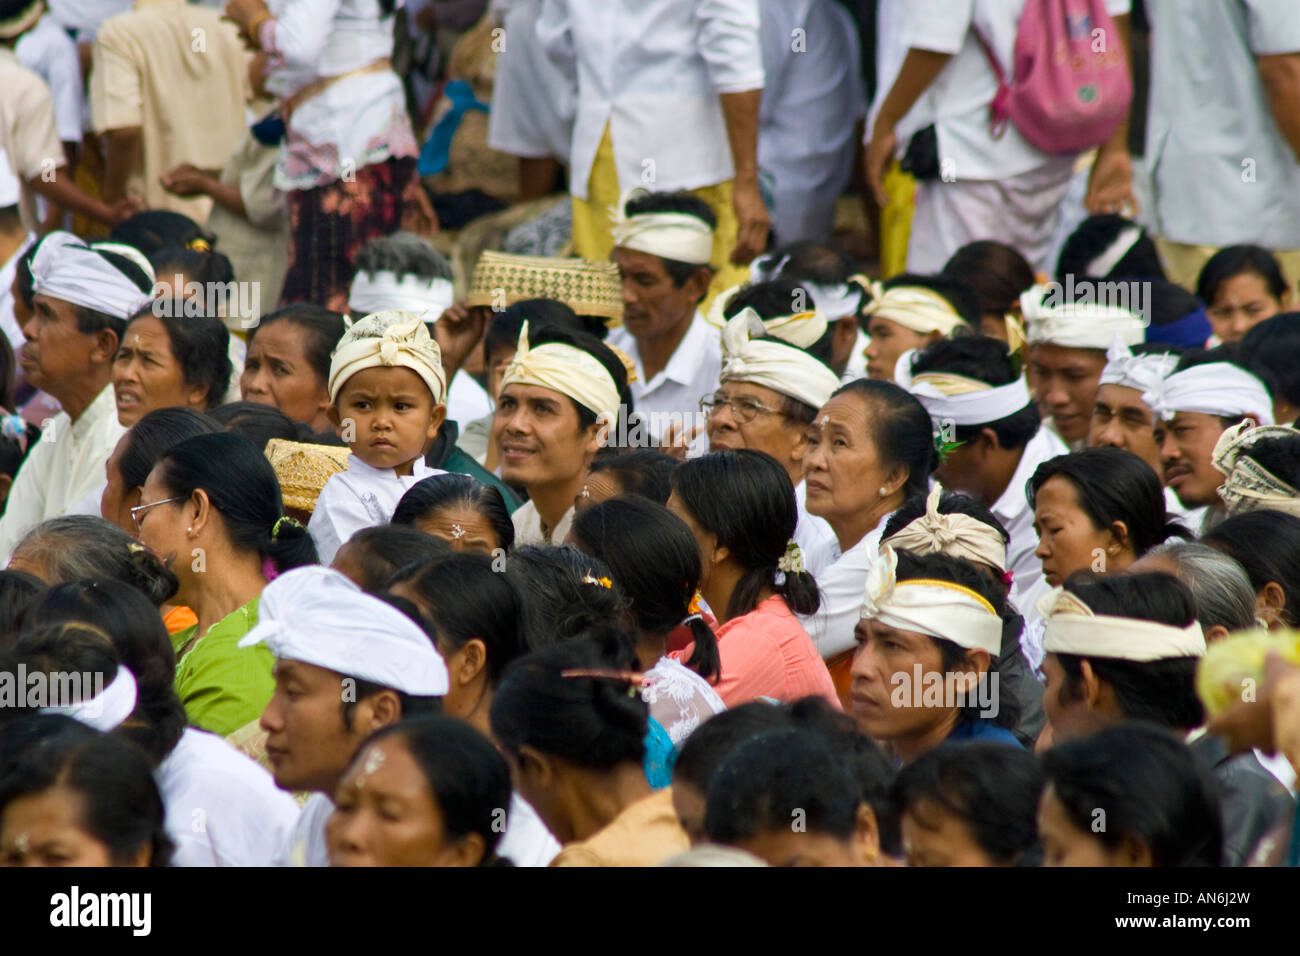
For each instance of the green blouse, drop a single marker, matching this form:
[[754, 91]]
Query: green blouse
[[222, 685]]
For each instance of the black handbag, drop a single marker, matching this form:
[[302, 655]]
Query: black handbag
[[921, 159]]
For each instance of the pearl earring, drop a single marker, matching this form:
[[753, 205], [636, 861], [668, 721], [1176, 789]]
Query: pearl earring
[[883, 491]]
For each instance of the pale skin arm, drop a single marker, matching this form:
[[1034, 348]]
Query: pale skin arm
[[740, 111], [919, 70]]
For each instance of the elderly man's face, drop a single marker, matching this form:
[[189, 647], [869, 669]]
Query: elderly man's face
[[56, 353]]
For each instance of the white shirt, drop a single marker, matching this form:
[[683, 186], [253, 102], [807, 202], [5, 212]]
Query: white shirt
[[305, 844], [7, 320], [679, 699], [65, 466], [46, 49], [467, 400], [1189, 518], [891, 15], [812, 98], [1013, 510], [958, 100], [528, 526], [841, 581], [813, 534], [360, 497], [223, 808], [691, 374], [856, 367], [533, 100], [1222, 173], [526, 841], [652, 70], [85, 16]]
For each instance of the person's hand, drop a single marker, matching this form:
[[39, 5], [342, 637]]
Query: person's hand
[[1110, 184], [675, 440], [186, 180], [457, 331], [125, 208], [417, 210], [242, 12], [879, 153], [753, 223]]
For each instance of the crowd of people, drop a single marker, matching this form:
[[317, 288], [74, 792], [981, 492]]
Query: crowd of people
[[649, 432]]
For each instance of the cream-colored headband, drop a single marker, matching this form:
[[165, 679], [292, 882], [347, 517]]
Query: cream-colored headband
[[962, 400], [388, 339], [1249, 484], [1072, 628], [957, 535], [799, 328], [567, 370], [670, 235], [939, 609], [913, 307]]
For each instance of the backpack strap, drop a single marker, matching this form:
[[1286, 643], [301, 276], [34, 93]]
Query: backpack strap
[[998, 108]]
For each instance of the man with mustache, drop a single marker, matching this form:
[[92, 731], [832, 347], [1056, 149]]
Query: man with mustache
[[83, 297]]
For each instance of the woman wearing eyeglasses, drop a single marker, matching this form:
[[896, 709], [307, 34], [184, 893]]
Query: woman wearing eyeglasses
[[211, 508]]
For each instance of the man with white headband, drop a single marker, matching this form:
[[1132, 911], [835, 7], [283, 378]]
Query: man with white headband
[[334, 644], [387, 393], [1204, 395], [662, 244], [14, 241], [1126, 647], [767, 396], [668, 92], [83, 298], [559, 397], [835, 289], [1122, 419], [403, 273], [929, 632], [1068, 341], [911, 311], [989, 436]]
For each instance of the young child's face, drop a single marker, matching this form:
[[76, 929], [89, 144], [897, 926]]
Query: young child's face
[[387, 416]]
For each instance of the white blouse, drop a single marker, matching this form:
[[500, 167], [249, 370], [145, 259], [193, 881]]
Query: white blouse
[[361, 497]]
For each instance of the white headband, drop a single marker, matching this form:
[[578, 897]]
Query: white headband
[[383, 291], [957, 535], [961, 400], [670, 235], [916, 308], [791, 371], [1078, 325], [567, 370], [388, 339], [107, 710], [939, 609], [1142, 372], [1215, 388], [316, 615], [1100, 267], [66, 268], [1072, 628]]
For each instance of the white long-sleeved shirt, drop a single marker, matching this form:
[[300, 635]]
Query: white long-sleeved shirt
[[653, 71], [222, 807], [533, 100], [360, 497], [47, 50], [66, 465], [842, 579], [673, 395], [1013, 510]]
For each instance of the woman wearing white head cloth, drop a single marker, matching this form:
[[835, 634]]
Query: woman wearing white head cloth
[[924, 670], [1069, 330], [957, 525], [1127, 648]]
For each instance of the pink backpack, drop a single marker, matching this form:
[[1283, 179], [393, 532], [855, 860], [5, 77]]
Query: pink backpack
[[1064, 96]]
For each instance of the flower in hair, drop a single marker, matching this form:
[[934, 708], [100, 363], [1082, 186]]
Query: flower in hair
[[792, 561], [602, 581]]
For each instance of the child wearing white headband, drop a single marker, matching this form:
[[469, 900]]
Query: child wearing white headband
[[387, 401]]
